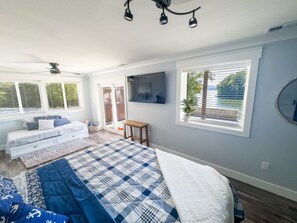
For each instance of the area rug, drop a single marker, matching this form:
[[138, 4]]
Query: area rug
[[51, 153]]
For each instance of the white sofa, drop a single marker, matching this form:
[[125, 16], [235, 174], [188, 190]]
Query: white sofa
[[22, 142]]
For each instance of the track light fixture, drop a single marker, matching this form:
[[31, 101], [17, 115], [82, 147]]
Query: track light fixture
[[128, 15], [163, 18], [164, 4], [193, 21]]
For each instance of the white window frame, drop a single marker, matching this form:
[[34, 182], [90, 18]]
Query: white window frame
[[249, 57], [39, 88], [21, 110], [79, 92], [43, 96]]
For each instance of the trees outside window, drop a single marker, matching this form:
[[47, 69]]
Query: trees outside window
[[218, 93], [30, 97], [232, 86], [62, 95], [71, 91], [27, 101], [21, 97], [55, 96], [8, 98]]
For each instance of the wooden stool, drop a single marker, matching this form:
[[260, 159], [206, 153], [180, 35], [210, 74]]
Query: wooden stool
[[140, 126]]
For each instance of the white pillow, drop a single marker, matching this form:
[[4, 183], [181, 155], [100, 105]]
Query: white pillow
[[46, 124]]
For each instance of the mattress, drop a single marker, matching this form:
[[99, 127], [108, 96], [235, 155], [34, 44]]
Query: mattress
[[23, 137]]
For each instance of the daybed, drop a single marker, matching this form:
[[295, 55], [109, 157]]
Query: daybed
[[23, 141], [123, 181]]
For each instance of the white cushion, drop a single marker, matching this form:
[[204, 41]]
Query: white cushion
[[46, 124]]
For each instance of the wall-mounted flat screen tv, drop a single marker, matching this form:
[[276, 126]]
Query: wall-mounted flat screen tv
[[147, 88]]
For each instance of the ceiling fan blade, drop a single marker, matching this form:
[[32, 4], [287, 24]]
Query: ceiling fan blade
[[53, 64], [69, 72], [38, 72], [28, 62]]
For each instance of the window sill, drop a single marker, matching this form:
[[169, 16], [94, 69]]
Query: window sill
[[21, 116], [215, 127]]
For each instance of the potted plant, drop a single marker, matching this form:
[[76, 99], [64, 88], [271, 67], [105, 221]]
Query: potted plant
[[188, 107]]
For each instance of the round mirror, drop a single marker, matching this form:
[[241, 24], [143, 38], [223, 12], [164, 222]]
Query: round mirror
[[286, 102]]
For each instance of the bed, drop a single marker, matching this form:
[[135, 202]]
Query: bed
[[22, 142], [123, 181]]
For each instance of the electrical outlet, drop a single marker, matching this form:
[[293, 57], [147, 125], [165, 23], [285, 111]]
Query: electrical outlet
[[265, 165]]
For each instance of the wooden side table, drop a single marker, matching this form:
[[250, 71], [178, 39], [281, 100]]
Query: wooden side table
[[140, 126]]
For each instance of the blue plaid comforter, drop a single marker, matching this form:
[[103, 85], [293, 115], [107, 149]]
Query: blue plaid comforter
[[125, 178]]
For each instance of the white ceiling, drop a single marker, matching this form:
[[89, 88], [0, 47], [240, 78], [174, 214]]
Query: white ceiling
[[93, 35]]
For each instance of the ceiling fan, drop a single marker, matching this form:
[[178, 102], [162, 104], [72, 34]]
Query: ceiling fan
[[53, 69]]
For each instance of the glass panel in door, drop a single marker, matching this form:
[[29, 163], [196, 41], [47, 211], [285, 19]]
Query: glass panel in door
[[120, 107], [108, 114]]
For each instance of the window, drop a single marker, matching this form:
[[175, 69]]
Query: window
[[20, 97], [220, 91], [62, 95], [218, 94], [55, 96], [30, 97], [8, 98], [71, 91]]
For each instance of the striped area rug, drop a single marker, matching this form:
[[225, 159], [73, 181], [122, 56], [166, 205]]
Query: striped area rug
[[51, 153]]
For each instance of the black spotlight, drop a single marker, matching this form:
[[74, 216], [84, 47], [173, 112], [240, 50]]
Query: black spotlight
[[128, 15], [193, 21], [163, 18]]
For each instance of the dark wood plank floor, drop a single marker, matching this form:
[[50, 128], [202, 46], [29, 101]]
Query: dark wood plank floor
[[260, 206], [263, 207]]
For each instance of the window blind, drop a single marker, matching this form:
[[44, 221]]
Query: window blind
[[222, 95]]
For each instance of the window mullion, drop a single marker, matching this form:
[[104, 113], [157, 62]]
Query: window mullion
[[43, 94], [64, 96], [79, 93], [19, 96]]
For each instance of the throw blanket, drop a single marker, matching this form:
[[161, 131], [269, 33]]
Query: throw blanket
[[196, 187]]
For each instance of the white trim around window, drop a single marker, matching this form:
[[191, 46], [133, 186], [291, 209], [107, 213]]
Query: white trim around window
[[41, 81], [249, 58]]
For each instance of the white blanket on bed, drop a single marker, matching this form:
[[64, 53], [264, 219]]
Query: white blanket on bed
[[199, 192]]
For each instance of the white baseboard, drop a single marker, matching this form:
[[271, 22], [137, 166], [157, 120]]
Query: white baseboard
[[2, 147], [273, 188]]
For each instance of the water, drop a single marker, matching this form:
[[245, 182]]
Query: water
[[214, 102]]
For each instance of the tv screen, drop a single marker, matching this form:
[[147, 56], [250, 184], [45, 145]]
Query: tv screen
[[147, 88]]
